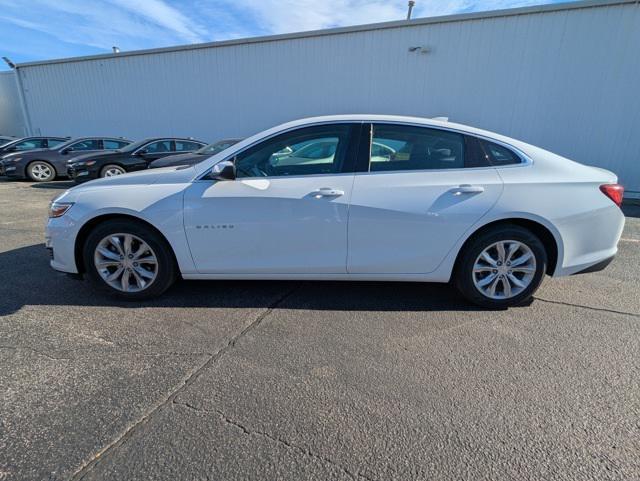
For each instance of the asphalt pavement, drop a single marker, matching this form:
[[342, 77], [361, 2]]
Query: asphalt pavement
[[312, 380]]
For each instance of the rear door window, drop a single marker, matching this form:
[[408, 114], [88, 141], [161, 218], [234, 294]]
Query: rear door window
[[407, 147]]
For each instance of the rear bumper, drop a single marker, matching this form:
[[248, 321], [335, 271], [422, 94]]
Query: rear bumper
[[597, 266]]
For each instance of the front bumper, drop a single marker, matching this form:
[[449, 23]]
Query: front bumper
[[80, 174], [11, 170], [60, 236]]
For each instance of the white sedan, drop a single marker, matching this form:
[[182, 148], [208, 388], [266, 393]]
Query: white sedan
[[445, 202]]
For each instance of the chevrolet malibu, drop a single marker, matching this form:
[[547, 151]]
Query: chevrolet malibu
[[436, 202]]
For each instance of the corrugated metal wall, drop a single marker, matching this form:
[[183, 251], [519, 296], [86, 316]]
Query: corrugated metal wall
[[11, 120], [565, 80]]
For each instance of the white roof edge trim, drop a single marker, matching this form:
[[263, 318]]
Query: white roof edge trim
[[461, 17]]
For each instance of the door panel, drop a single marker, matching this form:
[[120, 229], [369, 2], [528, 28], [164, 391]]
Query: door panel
[[406, 222], [271, 225], [286, 212]]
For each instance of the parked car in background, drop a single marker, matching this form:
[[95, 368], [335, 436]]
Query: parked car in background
[[194, 157], [30, 143], [42, 165], [136, 156], [440, 202], [5, 139]]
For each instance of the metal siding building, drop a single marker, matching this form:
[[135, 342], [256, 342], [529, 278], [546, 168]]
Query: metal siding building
[[564, 77], [11, 117]]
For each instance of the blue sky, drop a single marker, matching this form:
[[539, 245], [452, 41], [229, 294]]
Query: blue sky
[[45, 29]]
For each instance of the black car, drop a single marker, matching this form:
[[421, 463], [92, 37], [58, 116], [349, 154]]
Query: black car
[[42, 165], [136, 156], [193, 158], [29, 143]]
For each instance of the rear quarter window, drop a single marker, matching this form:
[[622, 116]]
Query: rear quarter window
[[499, 155]]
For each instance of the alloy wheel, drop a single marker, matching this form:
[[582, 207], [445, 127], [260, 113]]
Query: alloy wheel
[[41, 171], [126, 262], [504, 269], [112, 171]]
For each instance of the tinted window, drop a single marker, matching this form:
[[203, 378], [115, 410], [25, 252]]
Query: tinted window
[[89, 144], [158, 147], [30, 144], [307, 151], [403, 147], [184, 146], [113, 144], [499, 155], [54, 142]]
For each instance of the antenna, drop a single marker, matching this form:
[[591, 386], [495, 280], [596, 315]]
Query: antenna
[[412, 3]]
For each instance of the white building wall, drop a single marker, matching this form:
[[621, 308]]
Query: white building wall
[[11, 120], [565, 79]]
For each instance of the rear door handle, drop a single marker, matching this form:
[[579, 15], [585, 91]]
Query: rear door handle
[[327, 192], [467, 189]]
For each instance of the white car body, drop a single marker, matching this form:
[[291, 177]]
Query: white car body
[[399, 225]]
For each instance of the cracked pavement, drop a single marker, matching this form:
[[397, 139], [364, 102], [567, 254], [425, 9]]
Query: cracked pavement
[[304, 380]]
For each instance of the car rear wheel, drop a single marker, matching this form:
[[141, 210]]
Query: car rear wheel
[[40, 171], [111, 170], [129, 259], [502, 267]]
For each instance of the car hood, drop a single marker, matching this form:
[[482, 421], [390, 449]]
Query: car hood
[[24, 153], [97, 154], [178, 159], [167, 175]]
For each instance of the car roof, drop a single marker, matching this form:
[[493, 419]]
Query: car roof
[[150, 139], [90, 137]]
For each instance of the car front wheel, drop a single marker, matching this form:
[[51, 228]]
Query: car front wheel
[[112, 170], [129, 259], [40, 171], [502, 267]]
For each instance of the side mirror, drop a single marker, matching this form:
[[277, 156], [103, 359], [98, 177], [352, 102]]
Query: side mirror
[[66, 151], [224, 170], [141, 152]]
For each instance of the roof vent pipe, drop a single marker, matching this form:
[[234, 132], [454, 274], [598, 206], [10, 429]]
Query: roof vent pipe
[[411, 5]]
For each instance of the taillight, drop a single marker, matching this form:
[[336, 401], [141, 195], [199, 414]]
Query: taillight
[[614, 192]]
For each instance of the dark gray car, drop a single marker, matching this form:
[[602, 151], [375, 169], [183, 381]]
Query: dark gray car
[[191, 158], [42, 165]]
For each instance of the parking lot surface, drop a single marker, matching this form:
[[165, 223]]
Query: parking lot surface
[[312, 380]]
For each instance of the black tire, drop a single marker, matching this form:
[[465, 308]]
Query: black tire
[[40, 171], [167, 269], [113, 167], [464, 273]]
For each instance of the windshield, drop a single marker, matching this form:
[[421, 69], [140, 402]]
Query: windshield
[[134, 146], [66, 144], [217, 147], [11, 142]]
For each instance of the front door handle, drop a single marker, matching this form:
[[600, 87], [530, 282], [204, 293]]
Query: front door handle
[[327, 192], [467, 189]]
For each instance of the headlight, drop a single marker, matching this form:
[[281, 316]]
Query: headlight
[[58, 209], [81, 163]]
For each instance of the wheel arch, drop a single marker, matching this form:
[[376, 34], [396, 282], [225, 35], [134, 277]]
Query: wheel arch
[[550, 240], [88, 226]]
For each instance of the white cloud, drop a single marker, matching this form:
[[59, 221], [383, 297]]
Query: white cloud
[[279, 16], [164, 15]]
